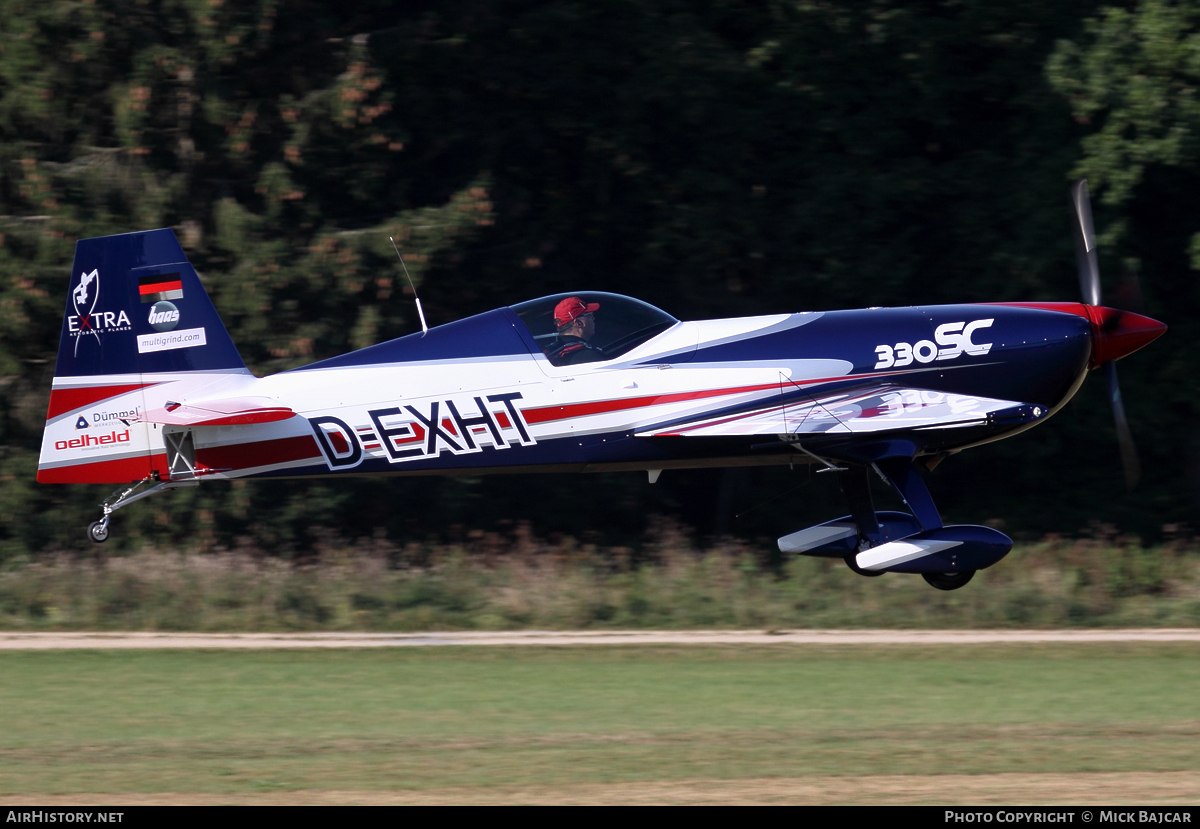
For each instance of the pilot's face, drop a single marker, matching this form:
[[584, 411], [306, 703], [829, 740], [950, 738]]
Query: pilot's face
[[587, 326]]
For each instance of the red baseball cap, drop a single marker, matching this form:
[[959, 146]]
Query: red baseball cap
[[571, 308]]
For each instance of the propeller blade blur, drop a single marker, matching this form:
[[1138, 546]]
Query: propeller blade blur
[[1128, 293], [1085, 242], [1129, 455]]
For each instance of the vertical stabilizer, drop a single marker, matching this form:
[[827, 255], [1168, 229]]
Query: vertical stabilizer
[[136, 316]]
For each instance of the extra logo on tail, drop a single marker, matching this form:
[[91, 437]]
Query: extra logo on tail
[[89, 322]]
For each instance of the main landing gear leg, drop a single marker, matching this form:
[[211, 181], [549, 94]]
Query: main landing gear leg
[[98, 530], [907, 482], [856, 486], [899, 472]]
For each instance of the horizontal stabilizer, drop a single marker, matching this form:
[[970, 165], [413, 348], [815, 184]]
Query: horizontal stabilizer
[[234, 411], [878, 407]]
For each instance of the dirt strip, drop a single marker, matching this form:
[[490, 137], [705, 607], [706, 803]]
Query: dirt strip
[[1088, 789], [98, 641]]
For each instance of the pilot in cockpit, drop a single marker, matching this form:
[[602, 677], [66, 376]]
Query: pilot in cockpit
[[576, 327]]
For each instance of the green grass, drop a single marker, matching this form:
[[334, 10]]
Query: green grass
[[225, 721]]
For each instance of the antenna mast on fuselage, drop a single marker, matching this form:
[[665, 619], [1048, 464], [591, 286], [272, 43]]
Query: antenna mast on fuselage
[[420, 313]]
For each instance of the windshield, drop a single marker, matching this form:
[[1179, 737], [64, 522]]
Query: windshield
[[589, 326]]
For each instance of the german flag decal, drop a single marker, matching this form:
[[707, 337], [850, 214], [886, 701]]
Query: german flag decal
[[160, 286]]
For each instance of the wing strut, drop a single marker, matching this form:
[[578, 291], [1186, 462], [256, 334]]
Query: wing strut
[[829, 467]]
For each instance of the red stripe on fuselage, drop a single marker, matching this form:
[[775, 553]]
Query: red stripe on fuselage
[[548, 414], [263, 453], [118, 471], [66, 400], [1076, 308], [222, 458]]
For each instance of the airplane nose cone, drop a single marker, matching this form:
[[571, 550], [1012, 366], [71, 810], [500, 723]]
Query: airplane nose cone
[[1116, 334]]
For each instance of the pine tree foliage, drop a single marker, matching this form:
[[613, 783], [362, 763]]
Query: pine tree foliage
[[715, 158]]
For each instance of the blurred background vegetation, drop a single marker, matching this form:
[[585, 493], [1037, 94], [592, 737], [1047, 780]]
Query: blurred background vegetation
[[495, 581], [714, 158]]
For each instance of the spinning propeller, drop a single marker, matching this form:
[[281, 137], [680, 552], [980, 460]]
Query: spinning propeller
[[1115, 333]]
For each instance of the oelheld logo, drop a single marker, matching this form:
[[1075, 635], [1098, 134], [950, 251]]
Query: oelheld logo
[[93, 440]]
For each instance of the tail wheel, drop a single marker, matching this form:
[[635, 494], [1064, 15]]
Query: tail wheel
[[948, 581], [98, 531], [854, 566]]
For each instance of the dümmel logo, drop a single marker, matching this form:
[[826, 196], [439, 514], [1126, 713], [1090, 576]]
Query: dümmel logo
[[163, 316]]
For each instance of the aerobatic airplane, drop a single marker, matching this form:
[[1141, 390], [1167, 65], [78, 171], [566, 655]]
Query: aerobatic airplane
[[149, 392]]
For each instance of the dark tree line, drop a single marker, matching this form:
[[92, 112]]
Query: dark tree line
[[713, 158]]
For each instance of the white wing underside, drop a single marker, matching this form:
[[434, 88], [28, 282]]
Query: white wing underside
[[880, 408]]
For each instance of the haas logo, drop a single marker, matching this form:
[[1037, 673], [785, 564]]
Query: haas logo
[[164, 316], [953, 337]]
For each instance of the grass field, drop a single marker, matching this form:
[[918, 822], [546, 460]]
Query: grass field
[[490, 719]]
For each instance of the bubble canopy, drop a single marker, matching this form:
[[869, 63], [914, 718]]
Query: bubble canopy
[[619, 324]]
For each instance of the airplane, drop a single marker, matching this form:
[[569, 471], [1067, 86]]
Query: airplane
[[149, 392]]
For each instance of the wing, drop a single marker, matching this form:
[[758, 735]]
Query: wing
[[233, 411], [878, 407]]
